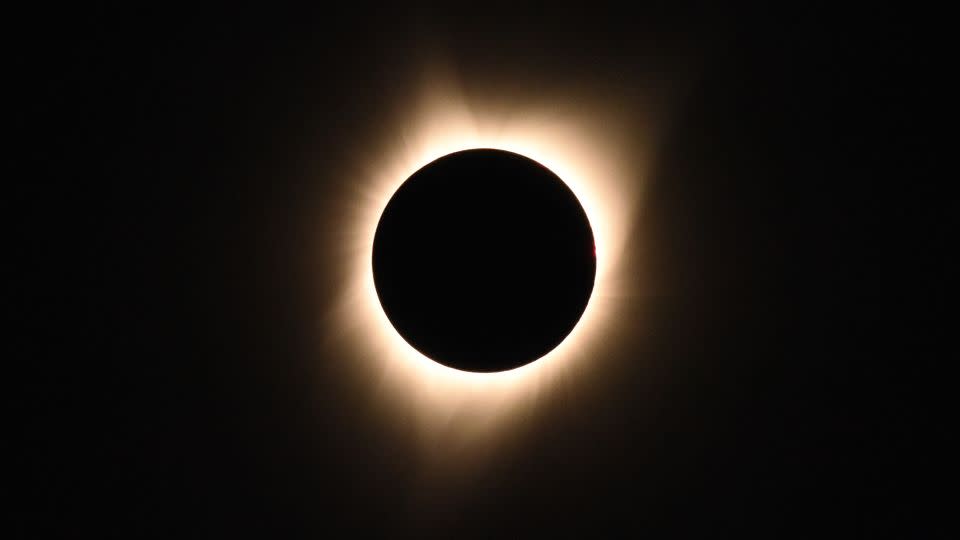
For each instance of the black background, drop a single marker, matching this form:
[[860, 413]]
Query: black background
[[170, 386]]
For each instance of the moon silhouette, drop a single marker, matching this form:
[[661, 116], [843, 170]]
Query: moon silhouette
[[484, 260]]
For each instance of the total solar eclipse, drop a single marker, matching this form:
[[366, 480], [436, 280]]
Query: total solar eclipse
[[484, 260]]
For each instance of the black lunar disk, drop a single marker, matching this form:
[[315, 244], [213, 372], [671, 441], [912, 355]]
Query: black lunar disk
[[484, 260]]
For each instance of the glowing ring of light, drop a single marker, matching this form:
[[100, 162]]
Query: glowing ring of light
[[589, 149]]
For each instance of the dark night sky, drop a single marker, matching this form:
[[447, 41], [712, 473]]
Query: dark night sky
[[171, 387]]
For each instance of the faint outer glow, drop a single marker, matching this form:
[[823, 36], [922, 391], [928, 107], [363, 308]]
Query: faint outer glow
[[585, 145]]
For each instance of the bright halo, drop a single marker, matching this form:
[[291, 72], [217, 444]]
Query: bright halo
[[586, 147]]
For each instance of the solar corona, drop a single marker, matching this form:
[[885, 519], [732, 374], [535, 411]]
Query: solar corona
[[481, 258]]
